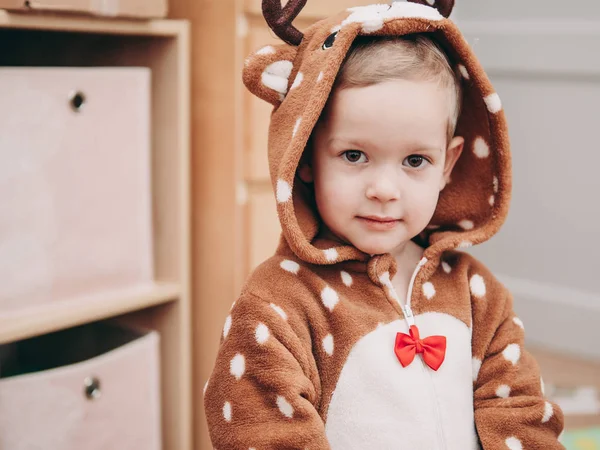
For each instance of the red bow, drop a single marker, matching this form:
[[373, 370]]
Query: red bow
[[432, 347]]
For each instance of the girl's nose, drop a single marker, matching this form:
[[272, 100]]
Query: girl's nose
[[384, 187]]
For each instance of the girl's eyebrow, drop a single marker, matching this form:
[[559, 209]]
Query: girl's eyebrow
[[430, 149], [359, 143], [348, 141]]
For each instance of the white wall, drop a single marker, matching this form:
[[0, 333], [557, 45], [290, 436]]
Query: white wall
[[530, 9], [544, 60]]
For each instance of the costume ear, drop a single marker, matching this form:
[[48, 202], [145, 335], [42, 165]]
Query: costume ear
[[267, 72]]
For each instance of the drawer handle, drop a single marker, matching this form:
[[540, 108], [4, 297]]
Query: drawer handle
[[92, 388], [77, 101]]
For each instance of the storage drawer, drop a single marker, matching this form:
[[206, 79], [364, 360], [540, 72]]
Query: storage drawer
[[94, 387], [74, 182]]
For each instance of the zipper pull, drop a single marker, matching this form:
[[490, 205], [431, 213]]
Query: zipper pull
[[408, 314]]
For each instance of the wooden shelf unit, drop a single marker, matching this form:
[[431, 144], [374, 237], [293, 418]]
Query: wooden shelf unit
[[58, 315], [31, 39]]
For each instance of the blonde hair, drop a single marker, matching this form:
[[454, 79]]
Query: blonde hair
[[373, 60]]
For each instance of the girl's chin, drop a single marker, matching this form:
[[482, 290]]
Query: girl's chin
[[371, 245], [377, 248]]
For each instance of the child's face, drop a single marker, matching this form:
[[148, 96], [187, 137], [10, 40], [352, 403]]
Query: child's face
[[380, 158]]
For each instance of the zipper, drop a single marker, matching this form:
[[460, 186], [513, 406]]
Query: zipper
[[410, 320], [408, 314], [436, 407]]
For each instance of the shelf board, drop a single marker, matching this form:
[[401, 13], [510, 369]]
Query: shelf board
[[90, 24], [58, 315]]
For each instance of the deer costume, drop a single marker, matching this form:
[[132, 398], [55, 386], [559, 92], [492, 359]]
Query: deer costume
[[319, 351]]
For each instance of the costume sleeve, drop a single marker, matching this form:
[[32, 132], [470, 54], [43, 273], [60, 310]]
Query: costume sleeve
[[264, 386], [510, 409]]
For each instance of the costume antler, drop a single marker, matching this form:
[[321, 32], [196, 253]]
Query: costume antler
[[443, 6], [280, 19]]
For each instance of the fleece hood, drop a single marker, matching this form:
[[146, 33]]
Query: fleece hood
[[297, 78]]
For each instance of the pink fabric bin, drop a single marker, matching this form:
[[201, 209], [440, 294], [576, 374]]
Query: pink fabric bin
[[94, 387], [75, 193]]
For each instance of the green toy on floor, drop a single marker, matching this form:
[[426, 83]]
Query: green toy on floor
[[584, 439]]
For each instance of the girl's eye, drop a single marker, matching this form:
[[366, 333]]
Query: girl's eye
[[415, 161], [354, 156]]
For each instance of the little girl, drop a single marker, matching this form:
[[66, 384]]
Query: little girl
[[369, 328]]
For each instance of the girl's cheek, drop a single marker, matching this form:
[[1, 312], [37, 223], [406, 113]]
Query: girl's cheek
[[340, 178], [331, 187]]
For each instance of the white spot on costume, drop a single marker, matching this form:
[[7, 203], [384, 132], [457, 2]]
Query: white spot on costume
[[466, 224], [331, 254], [548, 412], [237, 367], [477, 285], [290, 266], [279, 311], [329, 298], [476, 367], [519, 322], [285, 407], [296, 126], [428, 290], [328, 344], [481, 148], [227, 411], [346, 278], [493, 103], [284, 191], [503, 391], [267, 50], [261, 333], [226, 327], [514, 444], [297, 81], [512, 353], [446, 267]]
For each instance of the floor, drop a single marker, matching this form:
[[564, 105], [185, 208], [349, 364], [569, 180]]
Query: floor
[[569, 372]]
